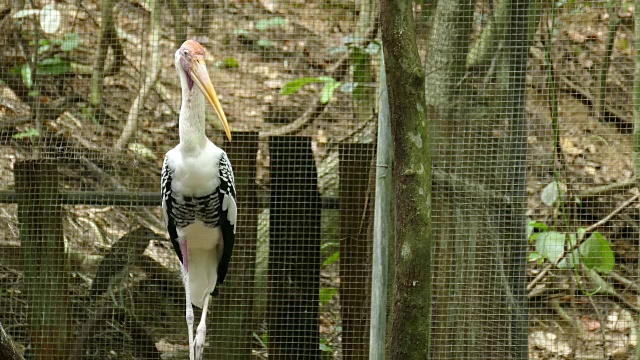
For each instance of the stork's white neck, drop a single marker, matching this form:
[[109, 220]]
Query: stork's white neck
[[192, 133]]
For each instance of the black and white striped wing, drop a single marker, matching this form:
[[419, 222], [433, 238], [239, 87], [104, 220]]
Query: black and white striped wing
[[228, 214], [168, 205]]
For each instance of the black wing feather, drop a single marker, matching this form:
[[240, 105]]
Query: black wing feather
[[228, 219], [167, 204]]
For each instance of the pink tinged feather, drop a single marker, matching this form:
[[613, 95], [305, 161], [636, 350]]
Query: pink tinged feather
[[185, 258]]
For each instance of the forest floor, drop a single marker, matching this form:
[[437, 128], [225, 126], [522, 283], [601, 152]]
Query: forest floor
[[252, 54]]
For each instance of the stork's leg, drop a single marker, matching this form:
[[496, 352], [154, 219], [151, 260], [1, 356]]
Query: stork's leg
[[202, 329], [189, 316]]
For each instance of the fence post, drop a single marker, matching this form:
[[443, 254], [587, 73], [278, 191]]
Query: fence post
[[381, 228], [294, 250], [356, 212], [232, 318], [43, 257]]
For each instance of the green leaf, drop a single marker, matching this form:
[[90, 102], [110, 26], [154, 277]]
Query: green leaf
[[263, 341], [29, 132], [574, 257], [228, 63], [53, 66], [295, 85], [25, 71], [550, 245], [535, 256], [327, 91], [361, 62], [49, 19], [596, 253], [328, 245], [142, 150], [324, 346], [70, 42], [326, 294], [341, 49], [274, 22], [43, 48], [351, 39], [264, 43], [241, 32], [550, 193], [535, 226], [372, 48], [331, 259]]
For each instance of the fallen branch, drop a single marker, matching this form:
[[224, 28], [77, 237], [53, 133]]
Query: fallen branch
[[625, 281], [609, 188], [7, 348], [604, 288], [132, 119], [580, 240]]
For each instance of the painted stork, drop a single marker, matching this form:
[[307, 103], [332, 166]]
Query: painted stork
[[198, 193]]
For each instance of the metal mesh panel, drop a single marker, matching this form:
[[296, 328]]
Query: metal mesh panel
[[530, 107], [90, 103], [577, 105]]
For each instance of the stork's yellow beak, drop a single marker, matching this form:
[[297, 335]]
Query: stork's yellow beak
[[201, 78]]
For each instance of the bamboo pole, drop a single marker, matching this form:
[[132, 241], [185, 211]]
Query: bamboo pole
[[381, 219]]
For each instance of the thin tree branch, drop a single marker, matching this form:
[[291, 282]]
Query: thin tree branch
[[132, 119]]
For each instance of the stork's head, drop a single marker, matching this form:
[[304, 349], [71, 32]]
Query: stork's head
[[193, 70]]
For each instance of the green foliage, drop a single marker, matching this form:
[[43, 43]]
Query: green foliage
[[28, 133], [272, 23], [295, 85], [331, 259], [228, 63], [263, 340], [70, 42], [51, 64], [551, 193], [326, 294], [327, 91], [326, 348], [25, 72], [330, 86], [594, 252]]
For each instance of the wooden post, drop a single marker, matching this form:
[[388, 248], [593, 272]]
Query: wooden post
[[294, 250], [357, 188], [43, 257], [232, 313]]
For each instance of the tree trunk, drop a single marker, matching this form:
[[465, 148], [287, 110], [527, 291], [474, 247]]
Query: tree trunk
[[479, 195], [412, 175]]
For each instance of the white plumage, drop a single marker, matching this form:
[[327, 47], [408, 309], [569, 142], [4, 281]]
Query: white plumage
[[198, 193]]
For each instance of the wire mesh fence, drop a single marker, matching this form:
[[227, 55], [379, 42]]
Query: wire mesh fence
[[530, 111]]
